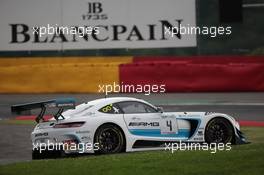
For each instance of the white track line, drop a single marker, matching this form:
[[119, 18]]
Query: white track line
[[214, 104], [253, 5]]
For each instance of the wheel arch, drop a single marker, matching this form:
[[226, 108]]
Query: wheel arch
[[230, 119], [119, 127]]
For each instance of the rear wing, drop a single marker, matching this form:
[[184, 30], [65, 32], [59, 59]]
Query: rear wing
[[61, 104]]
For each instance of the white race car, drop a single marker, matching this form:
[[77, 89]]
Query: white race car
[[122, 124]]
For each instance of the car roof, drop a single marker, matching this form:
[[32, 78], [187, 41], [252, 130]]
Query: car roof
[[112, 100], [94, 105]]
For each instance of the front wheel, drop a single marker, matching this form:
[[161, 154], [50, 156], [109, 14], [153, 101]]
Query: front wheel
[[110, 139], [219, 130]]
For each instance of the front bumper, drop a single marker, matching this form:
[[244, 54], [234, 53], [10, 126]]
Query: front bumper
[[240, 138]]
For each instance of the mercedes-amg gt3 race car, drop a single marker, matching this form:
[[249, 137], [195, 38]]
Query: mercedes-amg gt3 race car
[[122, 124]]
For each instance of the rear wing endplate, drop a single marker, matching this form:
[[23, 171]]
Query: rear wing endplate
[[61, 104]]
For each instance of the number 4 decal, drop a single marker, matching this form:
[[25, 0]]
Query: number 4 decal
[[168, 125]]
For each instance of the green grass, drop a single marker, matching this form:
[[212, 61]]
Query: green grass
[[241, 159]]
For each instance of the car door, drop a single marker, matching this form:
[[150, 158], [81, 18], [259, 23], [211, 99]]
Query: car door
[[141, 119], [169, 126], [176, 125]]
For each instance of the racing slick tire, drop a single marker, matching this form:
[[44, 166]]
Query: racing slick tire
[[110, 139], [219, 130]]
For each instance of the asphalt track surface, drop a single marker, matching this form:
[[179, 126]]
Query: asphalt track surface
[[15, 144]]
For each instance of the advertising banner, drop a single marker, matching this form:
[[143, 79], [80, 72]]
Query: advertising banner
[[27, 25]]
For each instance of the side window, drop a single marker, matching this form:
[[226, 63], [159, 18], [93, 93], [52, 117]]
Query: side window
[[110, 109], [133, 107]]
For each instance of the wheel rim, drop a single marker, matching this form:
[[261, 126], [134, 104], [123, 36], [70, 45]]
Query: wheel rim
[[219, 132], [109, 140]]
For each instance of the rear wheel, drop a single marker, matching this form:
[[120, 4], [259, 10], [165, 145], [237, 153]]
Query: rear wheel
[[110, 139], [219, 130], [36, 154]]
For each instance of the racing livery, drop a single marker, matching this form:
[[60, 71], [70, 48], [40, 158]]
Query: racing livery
[[125, 124]]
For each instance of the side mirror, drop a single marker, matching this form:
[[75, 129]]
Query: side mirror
[[160, 109]]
